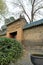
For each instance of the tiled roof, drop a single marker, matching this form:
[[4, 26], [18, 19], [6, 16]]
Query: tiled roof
[[3, 31], [4, 27], [33, 24], [12, 20], [9, 20]]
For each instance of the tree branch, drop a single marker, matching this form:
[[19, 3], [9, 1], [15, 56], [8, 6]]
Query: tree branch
[[37, 9], [14, 3], [20, 5], [33, 2], [38, 3], [24, 10], [32, 11]]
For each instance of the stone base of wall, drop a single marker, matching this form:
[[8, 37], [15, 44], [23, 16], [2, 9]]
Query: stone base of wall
[[34, 49], [32, 43]]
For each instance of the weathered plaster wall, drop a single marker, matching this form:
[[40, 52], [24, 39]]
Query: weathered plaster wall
[[33, 38]]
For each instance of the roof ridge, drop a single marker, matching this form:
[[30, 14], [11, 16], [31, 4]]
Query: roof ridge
[[35, 23]]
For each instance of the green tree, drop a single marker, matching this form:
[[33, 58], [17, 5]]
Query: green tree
[[2, 6], [10, 51]]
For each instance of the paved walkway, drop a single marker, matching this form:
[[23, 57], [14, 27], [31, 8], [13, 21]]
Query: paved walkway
[[25, 60]]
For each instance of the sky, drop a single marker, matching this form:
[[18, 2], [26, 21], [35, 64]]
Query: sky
[[15, 10]]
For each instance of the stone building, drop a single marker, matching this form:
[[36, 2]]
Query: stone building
[[31, 35], [15, 29]]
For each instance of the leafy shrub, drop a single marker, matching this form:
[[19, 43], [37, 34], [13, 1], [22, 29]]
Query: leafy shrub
[[10, 50]]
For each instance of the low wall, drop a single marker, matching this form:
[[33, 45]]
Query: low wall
[[33, 38]]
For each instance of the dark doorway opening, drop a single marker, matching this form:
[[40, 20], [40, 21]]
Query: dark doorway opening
[[13, 35]]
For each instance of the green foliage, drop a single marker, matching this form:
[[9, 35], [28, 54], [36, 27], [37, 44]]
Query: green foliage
[[10, 50], [2, 6]]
